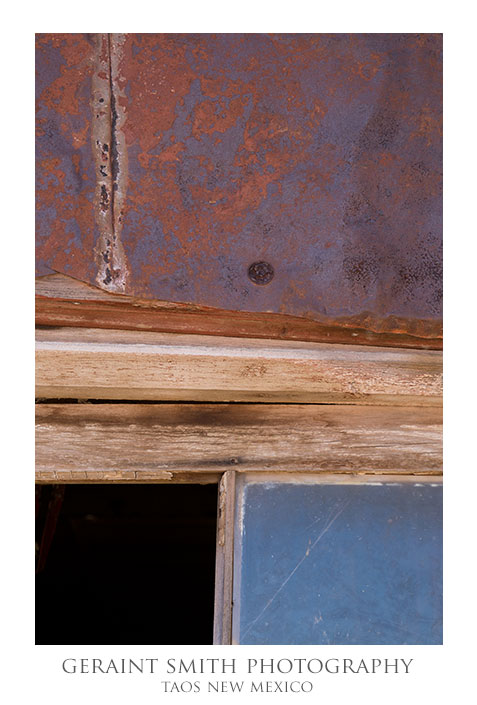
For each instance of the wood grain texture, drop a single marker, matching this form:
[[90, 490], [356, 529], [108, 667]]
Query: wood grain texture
[[198, 442], [127, 365], [64, 301], [224, 559]]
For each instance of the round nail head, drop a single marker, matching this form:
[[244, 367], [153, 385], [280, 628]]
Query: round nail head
[[260, 272]]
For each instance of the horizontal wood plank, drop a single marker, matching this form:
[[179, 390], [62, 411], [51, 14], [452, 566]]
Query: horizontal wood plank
[[126, 365], [198, 442]]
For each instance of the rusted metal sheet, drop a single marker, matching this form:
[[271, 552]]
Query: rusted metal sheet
[[294, 174], [63, 301], [66, 179]]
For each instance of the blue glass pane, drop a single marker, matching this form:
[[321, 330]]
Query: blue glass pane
[[341, 564]]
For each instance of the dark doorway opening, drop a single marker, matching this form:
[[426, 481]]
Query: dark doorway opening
[[128, 564]]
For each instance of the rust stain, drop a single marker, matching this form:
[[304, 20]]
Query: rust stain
[[119, 160], [319, 154], [75, 304], [65, 176], [101, 146], [108, 117]]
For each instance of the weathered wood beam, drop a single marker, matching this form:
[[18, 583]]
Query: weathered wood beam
[[198, 442], [224, 561], [130, 365]]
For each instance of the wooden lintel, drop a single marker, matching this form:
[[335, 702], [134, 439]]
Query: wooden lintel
[[198, 442]]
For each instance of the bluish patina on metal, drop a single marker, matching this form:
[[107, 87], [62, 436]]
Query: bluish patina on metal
[[317, 154]]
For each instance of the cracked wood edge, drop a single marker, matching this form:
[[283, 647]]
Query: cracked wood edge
[[131, 365], [224, 559], [198, 442]]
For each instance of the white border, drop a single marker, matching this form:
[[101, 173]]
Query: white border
[[32, 674]]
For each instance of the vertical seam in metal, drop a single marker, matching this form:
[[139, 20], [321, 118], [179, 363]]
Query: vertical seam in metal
[[110, 156], [112, 148]]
